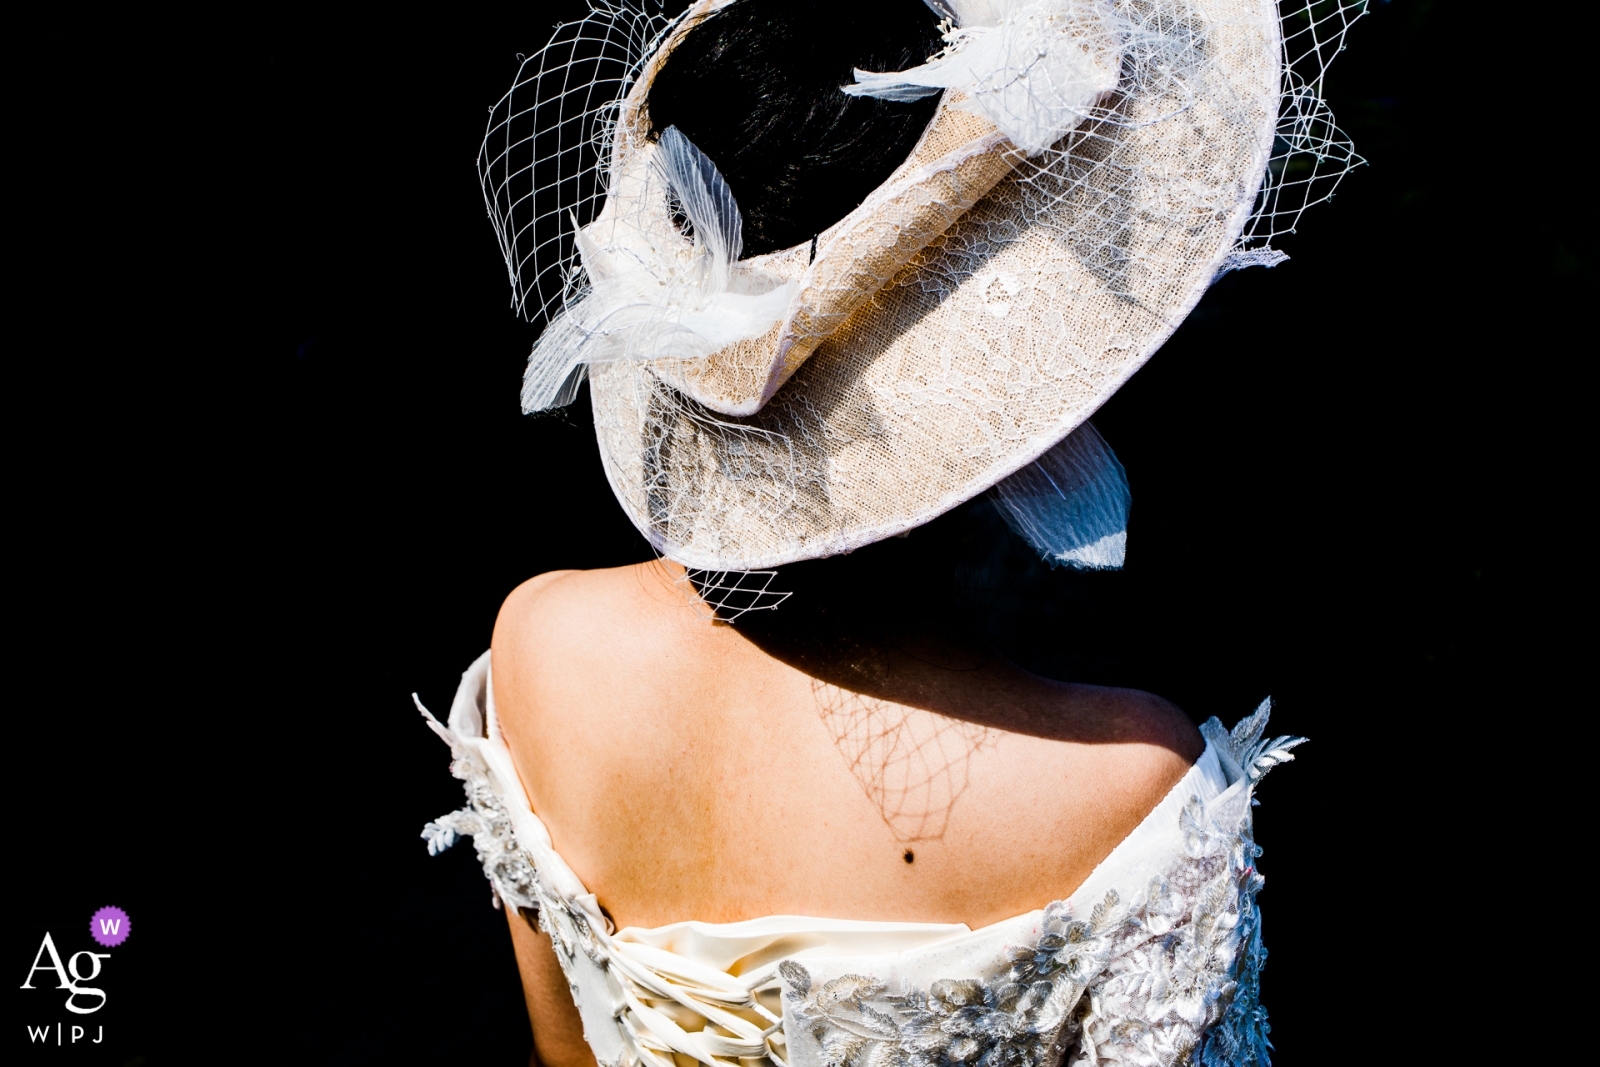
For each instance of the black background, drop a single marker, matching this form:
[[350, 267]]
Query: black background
[[268, 476]]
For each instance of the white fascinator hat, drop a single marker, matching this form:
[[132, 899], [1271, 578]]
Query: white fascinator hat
[[1089, 169]]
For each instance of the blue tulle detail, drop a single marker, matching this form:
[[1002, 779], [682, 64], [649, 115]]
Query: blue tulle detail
[[1071, 504]]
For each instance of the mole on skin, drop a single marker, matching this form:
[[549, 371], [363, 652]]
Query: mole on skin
[[909, 856]]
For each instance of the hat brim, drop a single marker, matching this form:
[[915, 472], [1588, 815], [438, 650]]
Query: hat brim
[[991, 344]]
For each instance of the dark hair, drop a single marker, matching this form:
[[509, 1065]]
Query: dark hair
[[965, 571], [756, 87]]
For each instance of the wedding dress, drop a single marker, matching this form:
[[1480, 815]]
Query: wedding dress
[[1154, 959]]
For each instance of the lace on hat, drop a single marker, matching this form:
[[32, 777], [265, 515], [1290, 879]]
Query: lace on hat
[[1055, 76]]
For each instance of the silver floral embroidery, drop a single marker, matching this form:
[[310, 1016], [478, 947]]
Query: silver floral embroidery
[[487, 822], [508, 867]]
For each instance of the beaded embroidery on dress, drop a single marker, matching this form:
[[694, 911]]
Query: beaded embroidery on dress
[[1154, 960]]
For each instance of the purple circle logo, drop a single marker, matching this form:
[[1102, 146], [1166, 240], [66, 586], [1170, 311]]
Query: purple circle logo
[[109, 927]]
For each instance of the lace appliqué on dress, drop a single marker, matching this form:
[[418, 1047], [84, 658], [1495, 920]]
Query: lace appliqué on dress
[[512, 875], [487, 822]]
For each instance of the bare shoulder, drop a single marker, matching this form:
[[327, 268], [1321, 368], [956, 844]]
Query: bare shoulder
[[1155, 743], [1129, 747], [1168, 746], [553, 593], [1151, 724], [566, 639], [563, 612]]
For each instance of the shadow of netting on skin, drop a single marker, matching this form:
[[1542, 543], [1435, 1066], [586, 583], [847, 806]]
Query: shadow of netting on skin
[[912, 764], [968, 569]]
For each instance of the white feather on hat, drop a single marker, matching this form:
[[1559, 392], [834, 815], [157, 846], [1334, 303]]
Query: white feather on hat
[[1092, 167]]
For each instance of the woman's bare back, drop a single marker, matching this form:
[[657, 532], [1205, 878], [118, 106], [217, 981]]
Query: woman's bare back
[[696, 770]]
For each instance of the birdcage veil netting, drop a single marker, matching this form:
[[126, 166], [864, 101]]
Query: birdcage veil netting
[[1310, 154], [542, 160], [1021, 310]]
